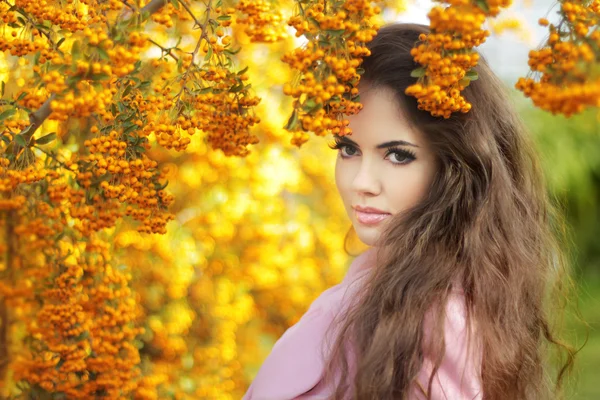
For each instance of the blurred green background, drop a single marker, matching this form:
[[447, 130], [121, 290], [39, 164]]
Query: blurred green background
[[570, 153]]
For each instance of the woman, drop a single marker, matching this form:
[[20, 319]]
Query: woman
[[449, 302]]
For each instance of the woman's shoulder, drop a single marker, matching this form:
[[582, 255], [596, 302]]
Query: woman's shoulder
[[459, 373]]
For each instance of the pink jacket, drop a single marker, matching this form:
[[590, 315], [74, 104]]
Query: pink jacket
[[294, 368]]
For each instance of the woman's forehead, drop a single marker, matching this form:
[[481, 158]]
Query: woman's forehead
[[381, 119]]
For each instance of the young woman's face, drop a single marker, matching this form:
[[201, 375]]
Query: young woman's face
[[384, 164]]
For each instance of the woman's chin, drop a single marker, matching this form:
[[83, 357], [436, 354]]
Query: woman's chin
[[367, 235]]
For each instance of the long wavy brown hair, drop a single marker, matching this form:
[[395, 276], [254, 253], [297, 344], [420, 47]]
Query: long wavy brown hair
[[487, 222]]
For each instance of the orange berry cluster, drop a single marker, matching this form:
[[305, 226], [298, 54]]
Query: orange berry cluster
[[329, 65], [132, 182], [55, 82], [122, 59], [87, 102], [226, 116], [567, 82], [8, 17], [66, 16], [32, 99], [85, 329], [447, 55], [21, 47], [221, 104], [11, 179], [263, 22], [163, 16], [169, 135]]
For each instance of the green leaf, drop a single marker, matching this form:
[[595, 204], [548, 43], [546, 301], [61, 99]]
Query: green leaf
[[208, 53], [236, 88], [83, 335], [129, 127], [60, 42], [232, 52], [336, 33], [472, 75], [47, 138], [483, 5], [8, 113], [101, 77], [243, 71], [20, 141], [224, 17], [29, 156], [175, 4], [59, 364], [103, 54], [2, 89], [464, 82], [310, 105], [292, 121], [417, 73], [313, 21], [76, 49], [161, 187]]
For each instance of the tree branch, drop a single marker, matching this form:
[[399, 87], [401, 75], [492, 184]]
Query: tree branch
[[4, 312], [154, 6]]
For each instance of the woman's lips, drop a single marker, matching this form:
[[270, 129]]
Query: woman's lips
[[368, 218]]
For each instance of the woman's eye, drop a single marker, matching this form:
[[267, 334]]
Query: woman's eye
[[401, 156], [349, 152]]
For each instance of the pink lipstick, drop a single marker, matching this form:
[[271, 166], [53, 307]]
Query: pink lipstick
[[369, 215]]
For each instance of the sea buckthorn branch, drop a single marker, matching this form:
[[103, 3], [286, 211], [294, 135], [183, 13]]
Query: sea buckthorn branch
[[564, 76], [219, 103], [38, 117], [87, 177], [328, 72], [447, 54]]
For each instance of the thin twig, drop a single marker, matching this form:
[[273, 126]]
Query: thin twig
[[167, 51], [204, 36], [187, 8], [10, 268], [53, 156]]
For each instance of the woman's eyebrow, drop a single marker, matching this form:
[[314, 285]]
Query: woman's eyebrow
[[384, 145]]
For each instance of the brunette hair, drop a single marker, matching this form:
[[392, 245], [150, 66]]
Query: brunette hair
[[486, 222]]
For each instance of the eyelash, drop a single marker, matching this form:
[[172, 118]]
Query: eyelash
[[406, 154]]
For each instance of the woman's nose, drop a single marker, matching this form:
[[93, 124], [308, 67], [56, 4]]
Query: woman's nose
[[367, 178]]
